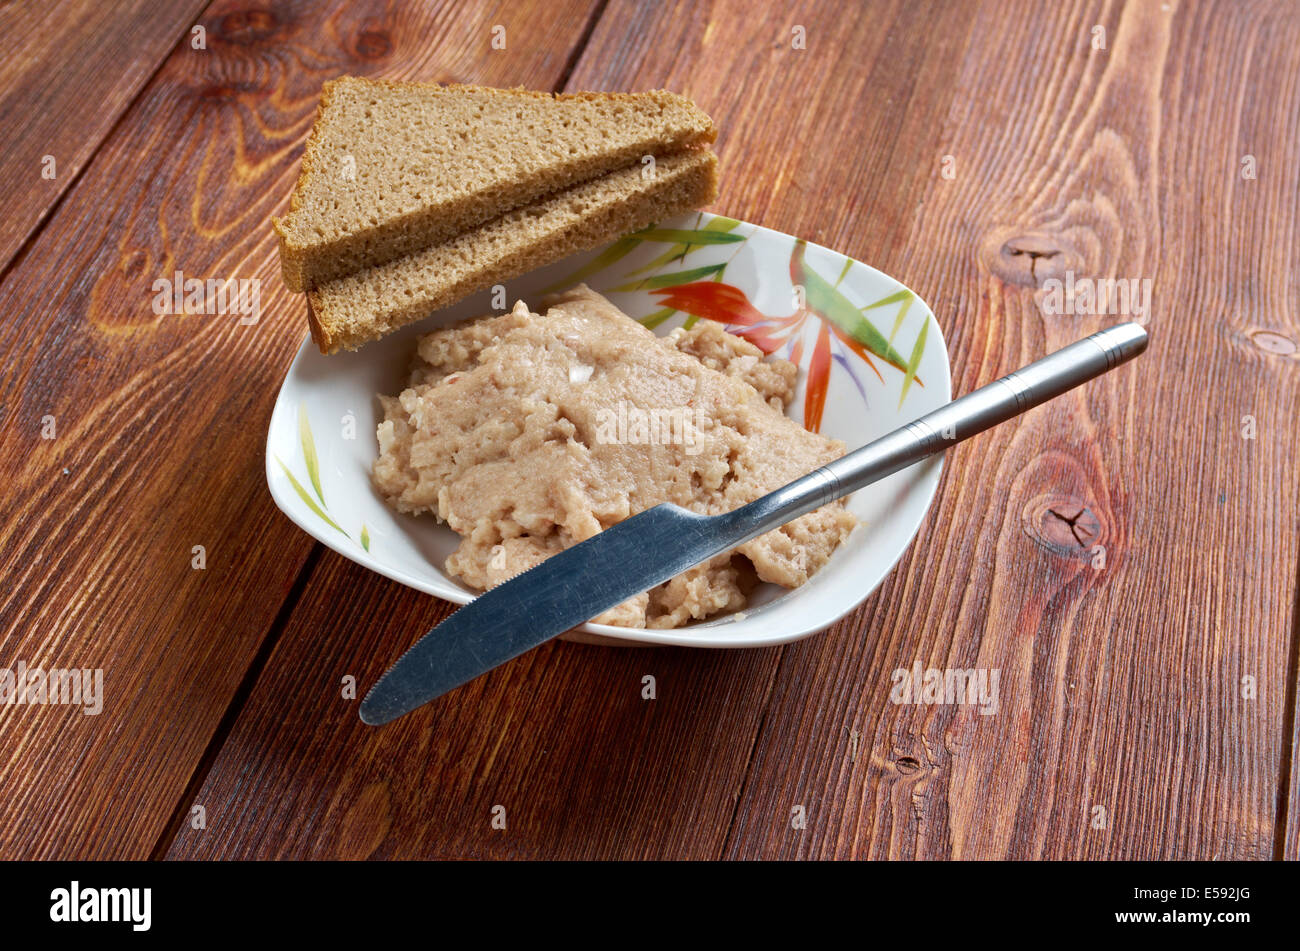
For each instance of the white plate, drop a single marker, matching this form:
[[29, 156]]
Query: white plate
[[796, 297]]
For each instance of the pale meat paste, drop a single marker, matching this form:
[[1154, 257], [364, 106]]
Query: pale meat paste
[[510, 431]]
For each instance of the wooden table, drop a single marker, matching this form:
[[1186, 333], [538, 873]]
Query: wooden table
[[973, 150]]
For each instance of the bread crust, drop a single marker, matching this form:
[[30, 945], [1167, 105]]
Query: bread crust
[[693, 185]]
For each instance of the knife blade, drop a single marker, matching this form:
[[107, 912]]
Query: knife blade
[[575, 585]]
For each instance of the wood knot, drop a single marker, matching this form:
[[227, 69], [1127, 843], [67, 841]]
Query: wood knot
[[122, 297], [907, 765], [134, 264], [1063, 524], [1028, 258], [1271, 342], [373, 44], [247, 27]]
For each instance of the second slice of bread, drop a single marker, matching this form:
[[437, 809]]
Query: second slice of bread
[[348, 312]]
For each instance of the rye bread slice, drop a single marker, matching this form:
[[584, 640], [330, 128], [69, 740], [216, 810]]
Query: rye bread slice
[[391, 167], [353, 310]]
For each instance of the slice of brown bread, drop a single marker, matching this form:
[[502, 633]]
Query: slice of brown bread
[[353, 310], [391, 168]]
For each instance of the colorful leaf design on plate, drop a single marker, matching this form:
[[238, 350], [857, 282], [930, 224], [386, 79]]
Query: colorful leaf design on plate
[[676, 253], [686, 236], [721, 223], [905, 297], [828, 303], [699, 293], [670, 280], [712, 300], [309, 451], [651, 321], [844, 271], [313, 476], [860, 350], [843, 360], [306, 497], [914, 361], [819, 378], [615, 252], [715, 232], [893, 298]]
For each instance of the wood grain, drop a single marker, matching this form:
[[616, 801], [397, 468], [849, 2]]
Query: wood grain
[[562, 738], [67, 72], [1121, 685], [561, 743], [160, 420], [1147, 702]]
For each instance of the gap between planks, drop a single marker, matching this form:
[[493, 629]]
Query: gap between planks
[[236, 706], [580, 47]]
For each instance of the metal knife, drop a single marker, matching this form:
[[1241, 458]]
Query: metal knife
[[579, 583]]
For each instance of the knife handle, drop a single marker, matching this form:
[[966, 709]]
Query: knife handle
[[946, 426]]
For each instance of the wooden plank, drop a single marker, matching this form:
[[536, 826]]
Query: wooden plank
[[1123, 730], [51, 55], [562, 738], [559, 743], [1119, 685], [159, 421]]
